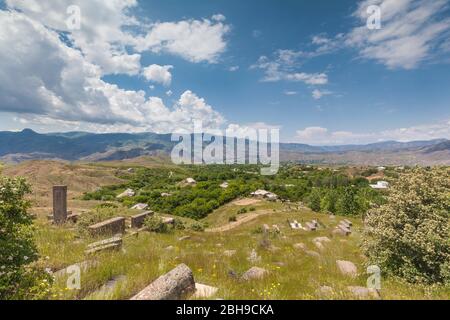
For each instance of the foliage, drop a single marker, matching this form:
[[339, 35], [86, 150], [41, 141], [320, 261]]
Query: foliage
[[97, 215], [156, 224], [197, 227], [409, 235], [19, 277]]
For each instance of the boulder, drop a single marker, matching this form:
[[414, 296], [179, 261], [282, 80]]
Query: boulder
[[347, 268], [204, 291], [312, 253], [300, 246], [174, 285], [325, 291], [254, 273], [322, 239], [319, 245], [363, 293]]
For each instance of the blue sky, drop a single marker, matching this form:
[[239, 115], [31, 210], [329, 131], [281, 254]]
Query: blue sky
[[311, 68]]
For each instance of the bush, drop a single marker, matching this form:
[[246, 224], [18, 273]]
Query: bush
[[179, 225], [242, 211], [156, 224], [197, 227], [19, 278], [233, 218], [409, 235]]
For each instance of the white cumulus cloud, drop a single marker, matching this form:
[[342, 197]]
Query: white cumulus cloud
[[158, 74]]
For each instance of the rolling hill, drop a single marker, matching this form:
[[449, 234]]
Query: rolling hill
[[74, 146]]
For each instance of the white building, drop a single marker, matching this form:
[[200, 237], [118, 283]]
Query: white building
[[224, 185], [191, 181], [380, 185], [264, 194]]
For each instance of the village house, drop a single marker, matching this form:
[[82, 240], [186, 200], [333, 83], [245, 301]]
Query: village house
[[190, 181], [264, 194], [224, 185]]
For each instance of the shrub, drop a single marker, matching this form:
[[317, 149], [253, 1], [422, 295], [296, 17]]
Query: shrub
[[242, 211], [19, 277], [409, 235], [156, 224], [179, 224], [197, 227], [252, 209], [233, 218]]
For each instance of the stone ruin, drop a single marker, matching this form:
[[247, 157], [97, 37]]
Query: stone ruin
[[111, 226], [59, 204], [175, 285], [344, 228]]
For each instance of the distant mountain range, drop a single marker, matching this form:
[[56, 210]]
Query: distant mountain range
[[73, 146]]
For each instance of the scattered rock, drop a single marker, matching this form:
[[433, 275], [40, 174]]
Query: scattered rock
[[312, 253], [184, 238], [169, 248], [300, 246], [254, 273], [322, 239], [347, 268], [319, 245], [364, 293], [175, 285], [325, 291], [204, 291], [339, 232], [266, 228]]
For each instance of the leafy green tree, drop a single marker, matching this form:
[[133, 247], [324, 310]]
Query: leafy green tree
[[329, 201], [409, 235], [348, 203], [314, 199], [19, 277]]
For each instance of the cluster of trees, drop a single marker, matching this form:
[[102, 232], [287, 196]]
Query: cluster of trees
[[409, 236], [20, 278], [323, 190]]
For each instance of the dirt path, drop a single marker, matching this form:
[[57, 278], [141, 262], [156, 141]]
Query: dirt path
[[235, 224]]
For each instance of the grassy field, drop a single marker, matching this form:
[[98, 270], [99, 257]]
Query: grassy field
[[293, 274]]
